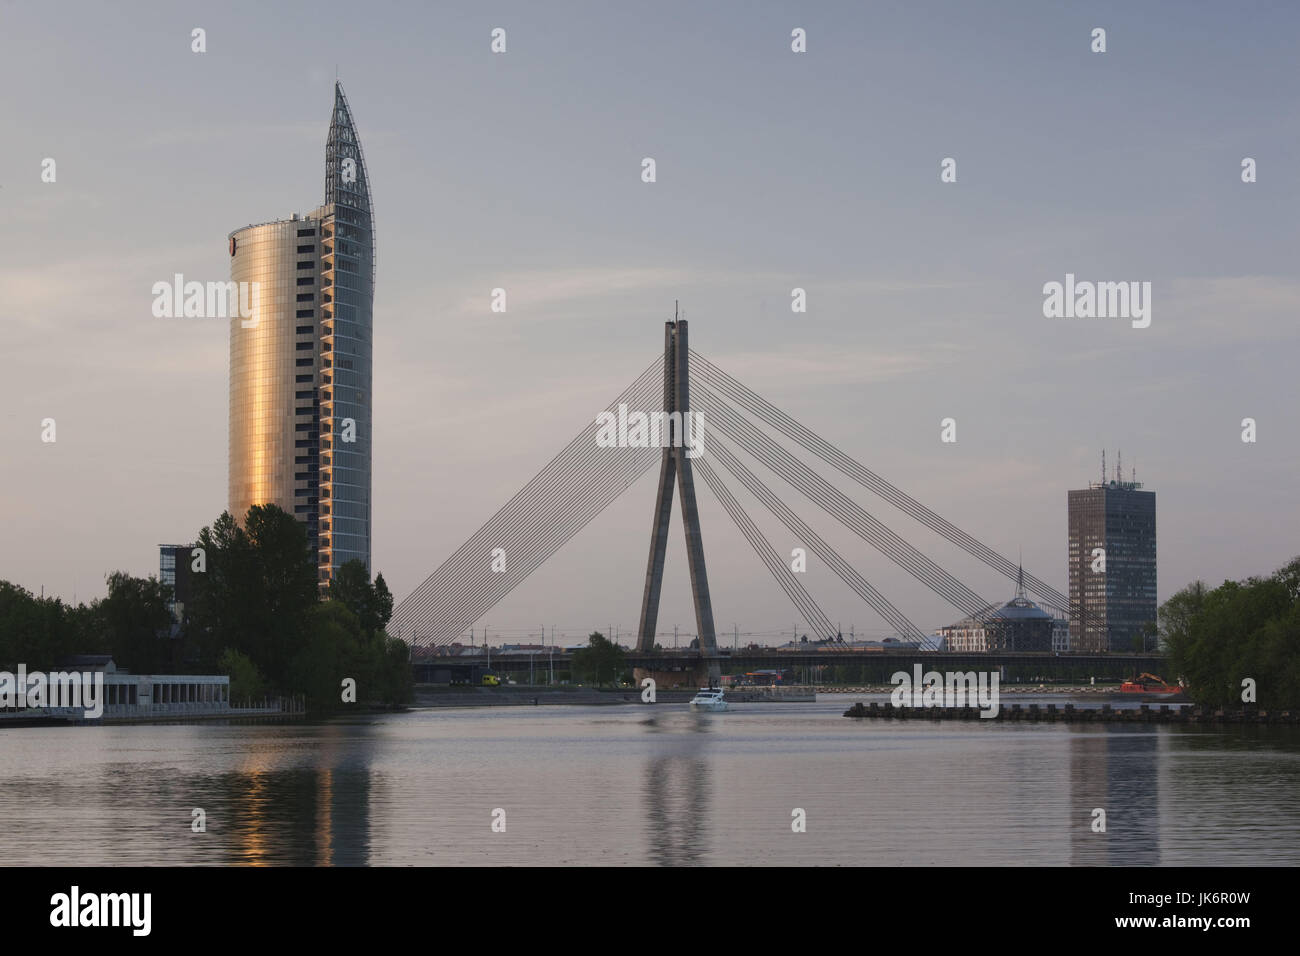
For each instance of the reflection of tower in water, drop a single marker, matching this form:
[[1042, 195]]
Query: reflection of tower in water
[[299, 816], [677, 795], [1115, 769]]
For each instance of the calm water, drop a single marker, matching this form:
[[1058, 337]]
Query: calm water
[[648, 785]]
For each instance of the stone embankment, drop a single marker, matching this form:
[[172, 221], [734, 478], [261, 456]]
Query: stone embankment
[[1068, 713], [1107, 690]]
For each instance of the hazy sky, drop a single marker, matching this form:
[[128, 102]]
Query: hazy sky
[[775, 170]]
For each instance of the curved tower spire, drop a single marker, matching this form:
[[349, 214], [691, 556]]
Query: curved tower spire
[[347, 185], [347, 319]]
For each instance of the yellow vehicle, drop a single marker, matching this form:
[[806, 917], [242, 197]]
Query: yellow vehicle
[[491, 680]]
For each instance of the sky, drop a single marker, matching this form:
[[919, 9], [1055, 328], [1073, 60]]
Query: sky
[[774, 170]]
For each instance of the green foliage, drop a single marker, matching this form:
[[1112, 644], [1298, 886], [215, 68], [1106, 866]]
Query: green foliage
[[338, 648], [132, 623], [246, 681], [1248, 629], [137, 624], [371, 603], [39, 632], [255, 613], [259, 598], [257, 591], [599, 662]]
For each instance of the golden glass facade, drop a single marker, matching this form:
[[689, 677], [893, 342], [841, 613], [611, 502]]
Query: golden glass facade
[[300, 377], [267, 369]]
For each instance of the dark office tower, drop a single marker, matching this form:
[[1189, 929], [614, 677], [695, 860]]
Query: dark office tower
[[300, 374], [1111, 609], [174, 571]]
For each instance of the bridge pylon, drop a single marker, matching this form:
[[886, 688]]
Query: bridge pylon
[[675, 467]]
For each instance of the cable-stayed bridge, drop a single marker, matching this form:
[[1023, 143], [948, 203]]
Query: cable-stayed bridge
[[593, 470]]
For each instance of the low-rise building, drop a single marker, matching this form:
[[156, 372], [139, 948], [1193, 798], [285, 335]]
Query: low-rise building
[[1018, 625]]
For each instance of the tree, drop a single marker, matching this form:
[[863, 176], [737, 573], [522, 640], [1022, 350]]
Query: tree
[[600, 661], [258, 610], [137, 623], [41, 631], [246, 681], [1249, 629], [257, 591], [220, 613], [371, 603], [337, 649]]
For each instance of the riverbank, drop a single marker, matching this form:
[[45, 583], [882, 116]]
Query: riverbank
[[1068, 713], [149, 714], [516, 695], [522, 695], [1038, 690]]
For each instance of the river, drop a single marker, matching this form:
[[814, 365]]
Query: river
[[649, 785]]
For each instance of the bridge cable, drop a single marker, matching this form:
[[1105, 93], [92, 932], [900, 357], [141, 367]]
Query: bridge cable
[[524, 555], [774, 416], [540, 550], [554, 484], [802, 532], [816, 619], [549, 490], [586, 496], [560, 493], [746, 397], [832, 500]]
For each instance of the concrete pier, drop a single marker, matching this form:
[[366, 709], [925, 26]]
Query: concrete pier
[[1068, 713]]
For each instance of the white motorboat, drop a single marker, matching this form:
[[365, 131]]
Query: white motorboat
[[710, 699]]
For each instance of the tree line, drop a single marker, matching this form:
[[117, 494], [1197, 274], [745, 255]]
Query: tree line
[[1218, 639], [255, 612]]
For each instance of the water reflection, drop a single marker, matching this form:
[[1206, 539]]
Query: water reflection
[[314, 814], [677, 791], [627, 787], [1116, 769]]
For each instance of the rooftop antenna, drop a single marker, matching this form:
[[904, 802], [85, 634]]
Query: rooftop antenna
[[676, 310], [1103, 466], [1119, 466]]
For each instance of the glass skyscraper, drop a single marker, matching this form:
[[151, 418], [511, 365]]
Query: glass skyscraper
[[301, 371]]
